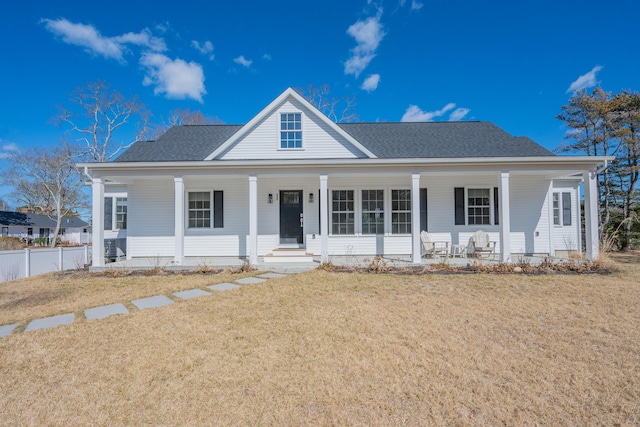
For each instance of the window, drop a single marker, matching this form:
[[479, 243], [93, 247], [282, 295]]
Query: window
[[121, 213], [5, 231], [475, 208], [62, 232], [478, 206], [401, 211], [200, 209], [372, 211], [342, 215], [30, 231], [562, 207], [291, 130]]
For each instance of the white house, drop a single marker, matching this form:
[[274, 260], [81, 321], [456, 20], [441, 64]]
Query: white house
[[30, 226], [292, 178]]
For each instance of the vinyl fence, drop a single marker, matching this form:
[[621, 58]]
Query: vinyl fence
[[31, 262]]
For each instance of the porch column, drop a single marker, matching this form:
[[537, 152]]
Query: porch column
[[324, 221], [579, 221], [505, 217], [591, 214], [178, 183], [97, 215], [416, 253], [253, 219]]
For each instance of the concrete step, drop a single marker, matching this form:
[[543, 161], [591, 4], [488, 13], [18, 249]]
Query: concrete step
[[288, 255]]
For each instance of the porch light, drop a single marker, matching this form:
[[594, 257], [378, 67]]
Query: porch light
[[310, 197], [270, 198]]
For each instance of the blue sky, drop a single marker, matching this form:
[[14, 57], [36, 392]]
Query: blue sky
[[511, 63]]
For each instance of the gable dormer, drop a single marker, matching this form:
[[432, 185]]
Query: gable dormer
[[290, 127]]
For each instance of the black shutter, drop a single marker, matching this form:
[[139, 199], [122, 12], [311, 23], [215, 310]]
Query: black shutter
[[566, 208], [423, 210], [459, 205], [496, 207], [108, 213], [218, 210]]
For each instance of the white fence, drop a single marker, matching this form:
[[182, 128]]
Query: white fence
[[28, 262]]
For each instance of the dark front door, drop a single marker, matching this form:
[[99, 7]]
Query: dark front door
[[291, 219]]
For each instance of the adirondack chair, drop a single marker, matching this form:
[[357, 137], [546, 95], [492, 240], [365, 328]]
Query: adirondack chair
[[431, 248], [480, 245]]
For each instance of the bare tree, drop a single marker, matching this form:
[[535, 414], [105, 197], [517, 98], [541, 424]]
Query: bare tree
[[340, 110], [179, 117], [95, 113], [47, 179]]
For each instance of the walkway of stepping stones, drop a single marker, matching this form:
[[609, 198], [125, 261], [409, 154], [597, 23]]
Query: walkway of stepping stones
[[104, 311]]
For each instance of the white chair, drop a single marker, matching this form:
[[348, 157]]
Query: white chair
[[431, 248], [480, 245]]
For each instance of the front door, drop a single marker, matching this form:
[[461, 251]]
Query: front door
[[291, 216]]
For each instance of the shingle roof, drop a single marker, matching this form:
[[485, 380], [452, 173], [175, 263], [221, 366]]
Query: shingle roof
[[34, 220], [441, 140], [385, 140], [180, 143]]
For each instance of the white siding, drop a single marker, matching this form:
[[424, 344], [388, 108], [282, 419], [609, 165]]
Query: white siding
[[565, 237], [319, 141], [151, 214], [150, 219]]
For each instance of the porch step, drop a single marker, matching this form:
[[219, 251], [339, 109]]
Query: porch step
[[288, 255]]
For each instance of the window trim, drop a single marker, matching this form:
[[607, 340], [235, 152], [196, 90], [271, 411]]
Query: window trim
[[280, 147], [391, 211], [353, 212], [461, 205], [368, 211], [216, 214], [564, 214]]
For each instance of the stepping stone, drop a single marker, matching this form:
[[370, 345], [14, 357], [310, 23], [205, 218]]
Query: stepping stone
[[98, 313], [250, 281], [7, 329], [193, 293], [272, 275], [50, 322], [152, 302], [223, 287]]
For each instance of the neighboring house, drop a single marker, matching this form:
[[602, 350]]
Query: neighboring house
[[291, 178], [30, 226]]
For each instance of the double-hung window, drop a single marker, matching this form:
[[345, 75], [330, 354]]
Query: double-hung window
[[121, 213], [342, 212], [473, 206], [205, 208], [561, 208], [372, 211], [401, 211], [478, 206], [290, 130]]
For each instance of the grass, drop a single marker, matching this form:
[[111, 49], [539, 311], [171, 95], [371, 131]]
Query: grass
[[327, 348]]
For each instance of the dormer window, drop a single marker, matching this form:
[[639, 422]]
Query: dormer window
[[291, 130]]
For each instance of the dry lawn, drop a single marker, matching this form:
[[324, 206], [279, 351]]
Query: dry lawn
[[325, 348]]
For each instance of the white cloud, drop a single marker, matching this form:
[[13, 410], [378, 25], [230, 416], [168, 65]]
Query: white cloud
[[205, 48], [371, 83], [243, 61], [368, 34], [416, 5], [89, 37], [458, 114], [585, 81], [177, 79], [415, 114], [8, 148], [266, 57]]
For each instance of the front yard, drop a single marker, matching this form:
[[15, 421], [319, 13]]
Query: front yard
[[330, 348]]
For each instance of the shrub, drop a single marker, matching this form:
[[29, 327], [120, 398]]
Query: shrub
[[10, 243]]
